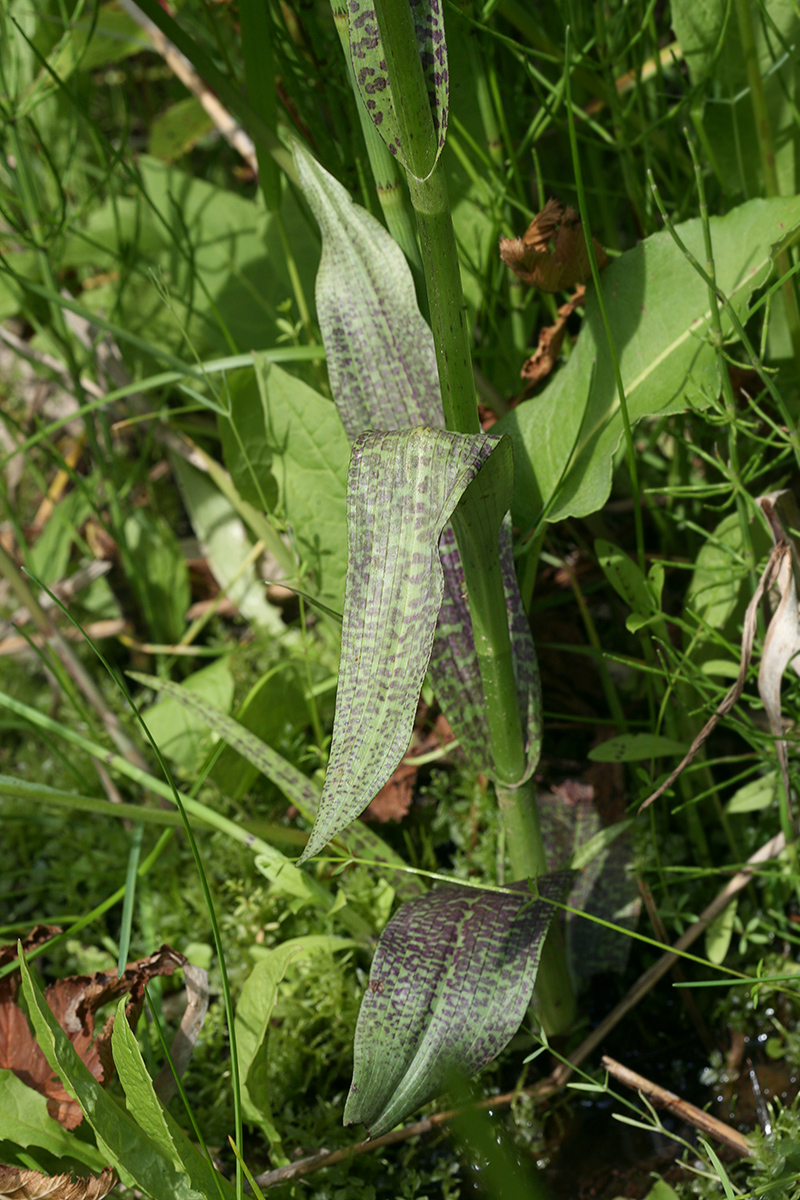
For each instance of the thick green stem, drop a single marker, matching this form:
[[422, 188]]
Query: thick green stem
[[554, 994], [483, 577]]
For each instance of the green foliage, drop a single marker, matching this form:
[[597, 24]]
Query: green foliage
[[177, 257]]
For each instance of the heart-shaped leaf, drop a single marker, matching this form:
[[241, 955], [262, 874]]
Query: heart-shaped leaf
[[382, 367], [381, 94], [452, 976]]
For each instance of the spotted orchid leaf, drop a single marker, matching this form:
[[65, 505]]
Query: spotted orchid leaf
[[378, 91], [382, 368], [403, 488], [452, 977]]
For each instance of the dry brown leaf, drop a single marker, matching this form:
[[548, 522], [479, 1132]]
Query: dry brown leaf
[[551, 339], [74, 1002], [551, 255], [394, 799], [17, 1183]]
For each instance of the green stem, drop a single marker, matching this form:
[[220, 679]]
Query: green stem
[[554, 992]]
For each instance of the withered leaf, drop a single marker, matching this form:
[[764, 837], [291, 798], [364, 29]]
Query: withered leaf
[[551, 339], [394, 799], [74, 1002], [551, 255], [17, 1183]]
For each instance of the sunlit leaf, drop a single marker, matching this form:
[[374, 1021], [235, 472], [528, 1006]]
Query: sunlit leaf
[[451, 979], [565, 440], [382, 367], [378, 93], [402, 490]]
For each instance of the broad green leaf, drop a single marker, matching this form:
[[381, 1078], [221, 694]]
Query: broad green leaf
[[301, 442], [403, 489], [565, 440], [178, 129], [382, 366], [359, 840], [153, 1118], [26, 1122], [219, 255], [636, 747], [755, 796], [160, 576], [179, 733], [452, 977], [253, 1014], [137, 1158], [381, 95], [274, 705], [720, 571], [226, 545], [719, 933], [625, 576]]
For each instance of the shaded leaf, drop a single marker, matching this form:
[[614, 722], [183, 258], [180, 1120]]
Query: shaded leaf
[[755, 796], [178, 129], [402, 490], [551, 255], [17, 1183], [603, 885], [635, 747], [223, 537], [179, 733], [452, 977], [376, 88], [719, 933], [564, 441]]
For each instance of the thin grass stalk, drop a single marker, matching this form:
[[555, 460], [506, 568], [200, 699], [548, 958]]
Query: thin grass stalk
[[587, 232], [766, 147]]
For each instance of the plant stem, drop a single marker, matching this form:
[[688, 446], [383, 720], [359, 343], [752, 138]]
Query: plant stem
[[554, 992]]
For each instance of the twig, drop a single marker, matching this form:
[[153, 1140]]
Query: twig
[[681, 1108]]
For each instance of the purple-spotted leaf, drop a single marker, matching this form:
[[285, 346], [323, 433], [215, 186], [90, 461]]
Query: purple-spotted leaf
[[450, 982], [403, 488], [379, 93], [382, 367]]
